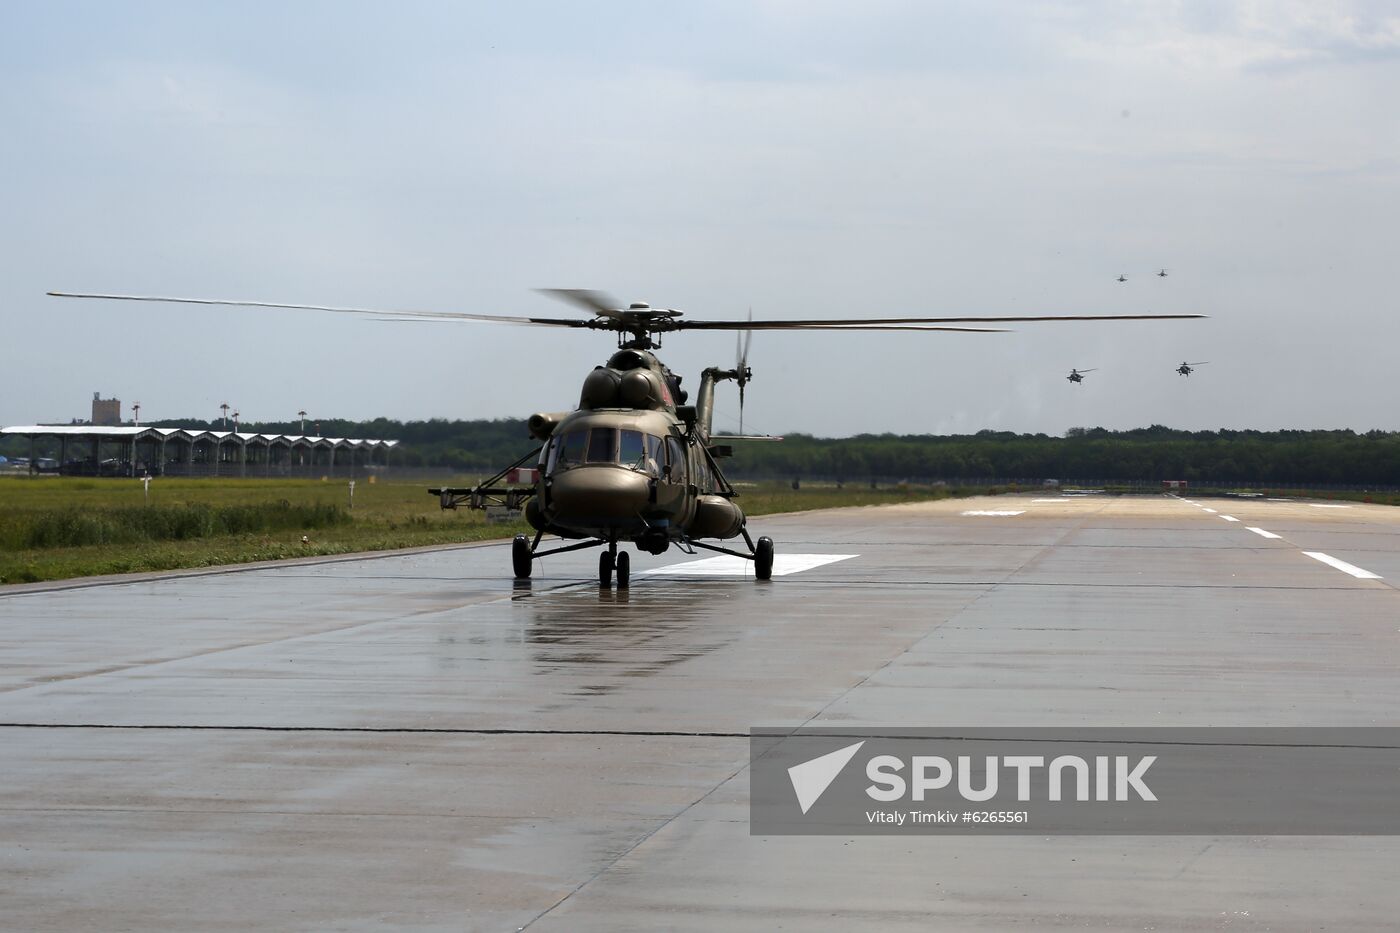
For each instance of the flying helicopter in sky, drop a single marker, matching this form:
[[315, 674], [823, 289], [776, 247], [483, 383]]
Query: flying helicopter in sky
[[1122, 277], [1161, 273], [1076, 376], [1187, 369], [634, 462]]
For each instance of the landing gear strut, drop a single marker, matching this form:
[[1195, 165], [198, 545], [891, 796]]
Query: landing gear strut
[[761, 553], [523, 552]]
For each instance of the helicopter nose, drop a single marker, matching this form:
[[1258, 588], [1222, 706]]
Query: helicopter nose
[[599, 494]]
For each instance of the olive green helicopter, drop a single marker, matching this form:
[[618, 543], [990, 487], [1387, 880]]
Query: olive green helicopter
[[634, 463]]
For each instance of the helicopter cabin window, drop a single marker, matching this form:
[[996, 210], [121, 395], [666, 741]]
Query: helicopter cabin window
[[602, 445], [703, 478], [675, 459]]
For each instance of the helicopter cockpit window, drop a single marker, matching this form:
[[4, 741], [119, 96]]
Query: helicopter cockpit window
[[631, 450], [602, 445], [656, 454], [568, 451]]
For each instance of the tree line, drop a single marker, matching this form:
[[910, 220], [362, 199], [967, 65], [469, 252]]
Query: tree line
[[1144, 454]]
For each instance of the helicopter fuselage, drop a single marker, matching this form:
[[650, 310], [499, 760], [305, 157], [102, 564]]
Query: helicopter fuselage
[[627, 466]]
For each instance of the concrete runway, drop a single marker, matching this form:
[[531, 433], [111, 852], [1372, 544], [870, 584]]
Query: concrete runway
[[413, 742]]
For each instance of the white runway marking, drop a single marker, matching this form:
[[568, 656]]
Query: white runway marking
[[1229, 518], [1343, 566], [1262, 533], [1211, 511], [1326, 505], [727, 566], [994, 512], [1058, 499]]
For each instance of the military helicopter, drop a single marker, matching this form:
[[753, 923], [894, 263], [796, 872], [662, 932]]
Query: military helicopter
[[1187, 369], [1076, 376], [1161, 273], [634, 463], [1122, 277]]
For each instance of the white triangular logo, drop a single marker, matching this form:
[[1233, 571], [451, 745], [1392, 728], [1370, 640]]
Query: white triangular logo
[[811, 778]]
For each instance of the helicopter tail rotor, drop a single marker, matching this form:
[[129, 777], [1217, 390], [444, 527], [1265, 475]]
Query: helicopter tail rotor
[[742, 340]]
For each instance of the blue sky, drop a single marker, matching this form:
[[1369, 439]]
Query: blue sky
[[802, 159]]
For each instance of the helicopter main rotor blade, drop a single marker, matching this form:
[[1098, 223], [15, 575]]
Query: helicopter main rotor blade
[[384, 312], [1198, 364], [891, 321], [421, 317], [815, 326], [599, 303], [619, 320]]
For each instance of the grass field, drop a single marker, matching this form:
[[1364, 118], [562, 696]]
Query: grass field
[[54, 528]]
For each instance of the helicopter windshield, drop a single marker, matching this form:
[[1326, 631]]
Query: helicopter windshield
[[602, 445], [568, 450], [632, 449]]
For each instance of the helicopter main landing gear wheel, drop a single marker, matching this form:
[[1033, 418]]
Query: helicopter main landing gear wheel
[[521, 557], [763, 559], [624, 570], [605, 569]]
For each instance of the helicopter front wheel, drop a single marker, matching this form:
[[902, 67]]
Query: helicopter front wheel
[[605, 569], [624, 568], [521, 557], [763, 559]]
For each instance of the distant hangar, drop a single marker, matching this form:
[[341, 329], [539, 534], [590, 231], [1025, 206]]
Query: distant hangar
[[98, 450]]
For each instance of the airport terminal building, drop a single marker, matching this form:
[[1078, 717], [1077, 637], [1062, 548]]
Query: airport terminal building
[[100, 450]]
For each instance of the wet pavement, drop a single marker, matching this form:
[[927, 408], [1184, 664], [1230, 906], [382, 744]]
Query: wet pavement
[[416, 742]]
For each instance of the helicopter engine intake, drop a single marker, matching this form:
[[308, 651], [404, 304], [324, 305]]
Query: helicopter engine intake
[[640, 389], [542, 424], [607, 387], [601, 389]]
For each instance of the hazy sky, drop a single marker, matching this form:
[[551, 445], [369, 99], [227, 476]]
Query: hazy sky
[[805, 159]]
